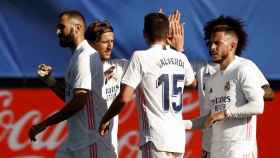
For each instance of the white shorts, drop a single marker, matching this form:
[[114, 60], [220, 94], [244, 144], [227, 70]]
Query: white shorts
[[149, 151], [96, 150], [240, 149]]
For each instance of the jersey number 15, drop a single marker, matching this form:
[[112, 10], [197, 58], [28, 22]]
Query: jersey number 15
[[176, 92]]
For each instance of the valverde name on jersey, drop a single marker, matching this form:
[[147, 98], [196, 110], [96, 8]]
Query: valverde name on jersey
[[171, 61]]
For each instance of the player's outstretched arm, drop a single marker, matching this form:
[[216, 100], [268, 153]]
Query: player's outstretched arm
[[123, 98], [44, 73], [75, 105]]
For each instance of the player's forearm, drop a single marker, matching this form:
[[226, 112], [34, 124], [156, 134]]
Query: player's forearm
[[114, 110], [59, 90], [199, 123], [66, 112], [251, 108], [196, 123], [57, 87]]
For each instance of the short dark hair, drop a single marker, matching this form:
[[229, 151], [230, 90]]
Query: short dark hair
[[156, 26], [227, 24], [96, 29], [74, 14]]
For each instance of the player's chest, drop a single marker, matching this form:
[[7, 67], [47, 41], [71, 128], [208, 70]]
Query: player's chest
[[222, 92]]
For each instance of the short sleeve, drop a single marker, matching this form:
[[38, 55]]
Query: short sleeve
[[82, 76], [247, 77], [188, 72], [133, 74], [262, 80]]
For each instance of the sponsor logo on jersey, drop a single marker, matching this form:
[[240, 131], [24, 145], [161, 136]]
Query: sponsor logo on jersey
[[219, 100]]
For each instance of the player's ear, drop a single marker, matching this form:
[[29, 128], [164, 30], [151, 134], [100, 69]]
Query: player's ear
[[233, 45], [144, 34], [77, 28], [146, 37]]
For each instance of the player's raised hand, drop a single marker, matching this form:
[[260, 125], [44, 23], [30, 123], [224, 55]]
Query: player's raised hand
[[104, 128], [34, 130], [44, 71], [214, 118], [176, 40], [176, 31], [175, 17]]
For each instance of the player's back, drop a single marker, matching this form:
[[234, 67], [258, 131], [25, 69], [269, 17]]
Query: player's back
[[164, 73]]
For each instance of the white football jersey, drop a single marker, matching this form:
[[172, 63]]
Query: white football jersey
[[84, 71], [203, 72], [159, 76], [233, 89], [109, 92]]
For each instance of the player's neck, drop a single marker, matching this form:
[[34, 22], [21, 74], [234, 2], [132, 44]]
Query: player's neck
[[163, 43], [77, 42], [225, 63]]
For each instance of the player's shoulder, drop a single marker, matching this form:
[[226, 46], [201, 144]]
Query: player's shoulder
[[141, 55], [245, 67], [244, 63], [139, 52]]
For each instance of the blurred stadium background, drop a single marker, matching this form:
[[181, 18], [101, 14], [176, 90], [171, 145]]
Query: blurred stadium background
[[27, 38]]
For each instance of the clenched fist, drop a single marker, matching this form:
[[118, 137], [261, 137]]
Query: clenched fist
[[44, 71]]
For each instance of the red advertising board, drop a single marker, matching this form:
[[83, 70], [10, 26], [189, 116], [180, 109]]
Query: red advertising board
[[20, 108]]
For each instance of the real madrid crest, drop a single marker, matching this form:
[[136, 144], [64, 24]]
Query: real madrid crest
[[227, 86], [211, 90]]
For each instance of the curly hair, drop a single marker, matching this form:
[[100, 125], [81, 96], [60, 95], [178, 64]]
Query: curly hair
[[227, 24], [96, 29]]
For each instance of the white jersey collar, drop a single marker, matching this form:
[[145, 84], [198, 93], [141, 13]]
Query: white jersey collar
[[157, 46], [80, 46]]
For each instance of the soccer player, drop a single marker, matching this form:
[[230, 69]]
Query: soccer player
[[83, 85], [204, 71], [158, 75], [233, 93], [202, 75], [100, 35]]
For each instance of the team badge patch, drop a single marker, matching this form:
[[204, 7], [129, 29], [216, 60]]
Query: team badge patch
[[227, 86], [211, 90]]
